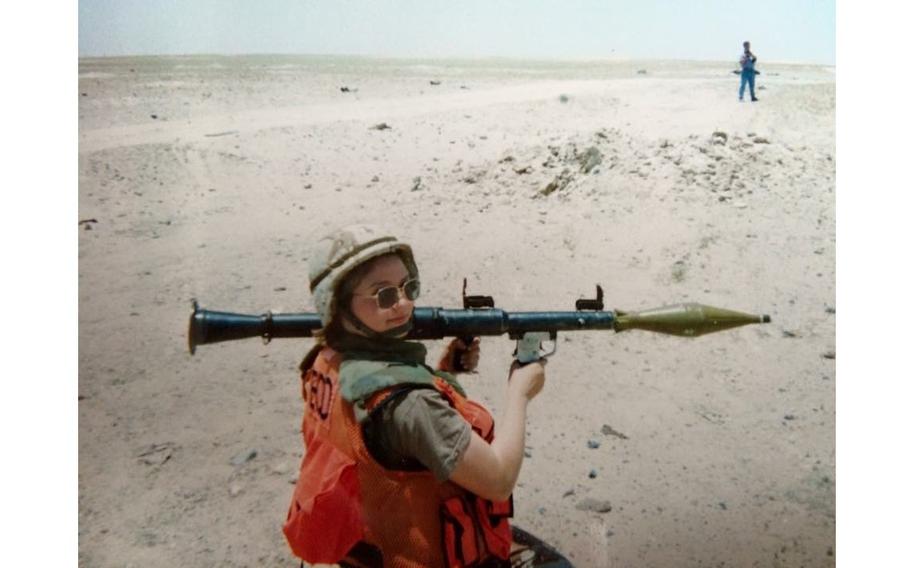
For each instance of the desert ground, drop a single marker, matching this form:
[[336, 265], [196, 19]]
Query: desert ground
[[207, 178]]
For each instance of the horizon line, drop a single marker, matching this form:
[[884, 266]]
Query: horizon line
[[553, 59]]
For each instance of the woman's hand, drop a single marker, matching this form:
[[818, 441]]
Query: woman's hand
[[469, 356], [527, 380]]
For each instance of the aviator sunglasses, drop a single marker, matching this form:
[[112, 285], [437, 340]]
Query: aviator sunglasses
[[390, 295]]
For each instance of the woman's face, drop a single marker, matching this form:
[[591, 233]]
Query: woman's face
[[385, 271]]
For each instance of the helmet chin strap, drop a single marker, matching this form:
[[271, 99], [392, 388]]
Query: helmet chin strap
[[395, 333]]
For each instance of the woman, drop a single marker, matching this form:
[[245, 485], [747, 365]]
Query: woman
[[401, 469]]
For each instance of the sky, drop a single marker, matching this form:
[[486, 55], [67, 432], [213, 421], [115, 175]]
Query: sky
[[780, 30]]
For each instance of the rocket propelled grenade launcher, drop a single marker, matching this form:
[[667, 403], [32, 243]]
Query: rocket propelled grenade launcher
[[480, 317]]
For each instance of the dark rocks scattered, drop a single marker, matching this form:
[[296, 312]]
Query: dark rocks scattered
[[642, 72], [761, 140], [154, 116], [828, 354], [789, 417], [593, 444], [594, 505], [243, 457], [563, 98], [416, 184], [606, 430], [380, 126], [830, 310], [434, 83], [592, 474], [589, 159], [788, 333], [156, 454], [559, 183]]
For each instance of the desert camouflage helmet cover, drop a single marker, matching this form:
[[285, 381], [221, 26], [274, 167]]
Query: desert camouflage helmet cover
[[339, 252]]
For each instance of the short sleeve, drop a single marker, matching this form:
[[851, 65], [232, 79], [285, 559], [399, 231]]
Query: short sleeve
[[423, 426]]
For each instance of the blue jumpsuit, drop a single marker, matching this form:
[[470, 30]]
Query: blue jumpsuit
[[747, 75]]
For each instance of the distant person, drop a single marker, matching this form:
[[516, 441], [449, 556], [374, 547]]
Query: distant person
[[747, 71]]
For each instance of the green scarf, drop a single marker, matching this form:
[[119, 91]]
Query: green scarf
[[370, 365]]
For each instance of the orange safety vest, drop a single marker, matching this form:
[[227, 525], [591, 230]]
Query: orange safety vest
[[344, 497]]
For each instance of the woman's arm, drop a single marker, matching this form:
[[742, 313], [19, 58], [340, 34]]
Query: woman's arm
[[491, 470]]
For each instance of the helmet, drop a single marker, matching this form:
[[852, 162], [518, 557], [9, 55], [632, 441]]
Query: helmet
[[339, 252]]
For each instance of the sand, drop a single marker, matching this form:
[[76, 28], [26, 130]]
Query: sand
[[207, 177]]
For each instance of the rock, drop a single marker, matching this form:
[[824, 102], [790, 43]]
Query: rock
[[722, 505], [374, 179], [589, 159], [243, 457], [593, 444], [434, 82], [642, 72], [416, 184], [719, 137], [829, 310], [606, 430], [472, 178], [789, 417], [156, 454], [345, 90], [559, 182], [84, 94], [569, 492], [380, 126], [828, 355], [678, 271], [563, 98], [280, 289], [592, 474], [280, 468], [154, 116], [761, 140], [595, 505], [788, 333], [522, 170]]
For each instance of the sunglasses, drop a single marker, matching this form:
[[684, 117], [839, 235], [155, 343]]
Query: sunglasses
[[390, 295]]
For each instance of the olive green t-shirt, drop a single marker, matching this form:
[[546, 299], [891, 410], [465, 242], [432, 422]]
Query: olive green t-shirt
[[421, 425]]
